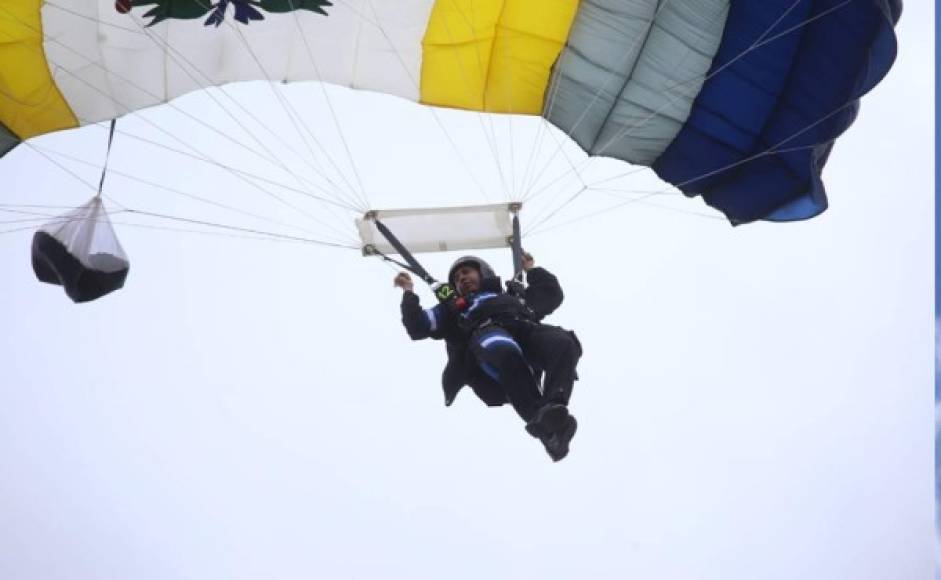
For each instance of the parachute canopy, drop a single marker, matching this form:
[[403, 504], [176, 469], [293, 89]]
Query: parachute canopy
[[737, 101]]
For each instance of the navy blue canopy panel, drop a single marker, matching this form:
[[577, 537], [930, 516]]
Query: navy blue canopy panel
[[7, 140], [784, 84]]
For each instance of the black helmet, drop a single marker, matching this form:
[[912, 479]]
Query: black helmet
[[483, 267]]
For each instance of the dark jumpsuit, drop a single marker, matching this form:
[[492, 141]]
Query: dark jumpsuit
[[498, 345]]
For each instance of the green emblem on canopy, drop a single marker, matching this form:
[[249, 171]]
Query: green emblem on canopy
[[244, 10]]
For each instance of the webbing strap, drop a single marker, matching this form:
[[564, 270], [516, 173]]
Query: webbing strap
[[516, 245], [413, 265], [104, 169]]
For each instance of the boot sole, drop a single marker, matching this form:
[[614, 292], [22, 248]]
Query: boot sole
[[559, 451], [555, 418]]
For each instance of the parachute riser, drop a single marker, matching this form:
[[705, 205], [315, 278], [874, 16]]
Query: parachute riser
[[412, 265], [516, 243], [371, 250]]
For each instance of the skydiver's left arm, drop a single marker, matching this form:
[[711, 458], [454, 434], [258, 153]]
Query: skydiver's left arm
[[419, 322], [543, 293], [422, 323]]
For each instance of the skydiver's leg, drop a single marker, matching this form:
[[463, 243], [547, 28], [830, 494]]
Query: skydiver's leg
[[487, 390], [556, 351], [501, 358]]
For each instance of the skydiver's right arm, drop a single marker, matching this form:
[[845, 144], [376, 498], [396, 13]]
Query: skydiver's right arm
[[419, 322]]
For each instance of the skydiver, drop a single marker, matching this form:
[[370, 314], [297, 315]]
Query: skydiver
[[497, 344]]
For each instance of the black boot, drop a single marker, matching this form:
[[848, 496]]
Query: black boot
[[555, 427]]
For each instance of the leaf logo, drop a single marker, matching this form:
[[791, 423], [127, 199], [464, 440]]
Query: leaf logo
[[244, 11]]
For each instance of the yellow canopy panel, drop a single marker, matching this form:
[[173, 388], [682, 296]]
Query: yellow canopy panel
[[76, 62]]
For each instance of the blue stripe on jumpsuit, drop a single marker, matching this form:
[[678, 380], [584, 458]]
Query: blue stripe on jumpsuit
[[501, 358]]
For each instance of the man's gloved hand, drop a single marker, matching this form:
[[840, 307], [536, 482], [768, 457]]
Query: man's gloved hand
[[404, 281], [515, 288], [528, 261]]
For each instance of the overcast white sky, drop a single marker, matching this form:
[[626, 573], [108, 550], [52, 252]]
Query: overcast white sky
[[754, 401]]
